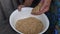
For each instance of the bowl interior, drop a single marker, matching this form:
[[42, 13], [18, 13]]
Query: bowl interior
[[24, 13]]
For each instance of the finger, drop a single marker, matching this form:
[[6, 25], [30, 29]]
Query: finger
[[19, 8], [46, 3], [45, 8], [43, 11]]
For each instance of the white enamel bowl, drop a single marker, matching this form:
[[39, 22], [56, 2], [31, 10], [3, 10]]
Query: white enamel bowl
[[24, 13]]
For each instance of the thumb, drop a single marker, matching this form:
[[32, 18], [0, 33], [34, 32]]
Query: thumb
[[20, 6]]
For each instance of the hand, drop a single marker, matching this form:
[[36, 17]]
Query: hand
[[44, 8], [37, 8], [20, 6]]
